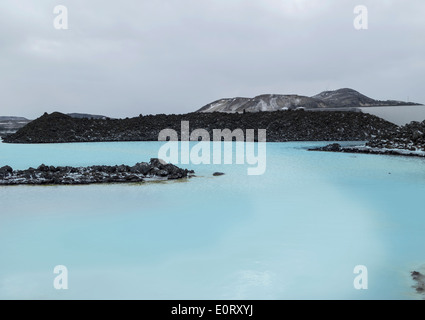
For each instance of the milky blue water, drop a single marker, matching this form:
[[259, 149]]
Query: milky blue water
[[296, 232], [400, 115]]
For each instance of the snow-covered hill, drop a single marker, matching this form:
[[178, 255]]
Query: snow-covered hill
[[342, 98]]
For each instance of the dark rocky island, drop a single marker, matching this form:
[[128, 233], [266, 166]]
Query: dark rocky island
[[50, 175], [408, 140], [280, 125]]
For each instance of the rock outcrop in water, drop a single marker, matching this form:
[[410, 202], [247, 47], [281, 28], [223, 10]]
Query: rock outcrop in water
[[280, 125], [50, 175], [336, 147], [341, 98], [409, 137], [408, 140]]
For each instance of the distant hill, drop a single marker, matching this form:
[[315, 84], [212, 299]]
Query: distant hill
[[345, 98], [2, 118], [341, 98], [86, 116], [9, 125]]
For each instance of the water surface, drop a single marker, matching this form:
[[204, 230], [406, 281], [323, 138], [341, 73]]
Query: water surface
[[296, 232], [399, 115]]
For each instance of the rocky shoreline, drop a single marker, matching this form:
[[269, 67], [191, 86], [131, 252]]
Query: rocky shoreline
[[281, 126], [408, 140], [336, 147], [50, 175], [419, 280], [408, 137]]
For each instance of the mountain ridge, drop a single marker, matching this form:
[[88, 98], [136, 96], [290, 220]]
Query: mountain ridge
[[341, 98]]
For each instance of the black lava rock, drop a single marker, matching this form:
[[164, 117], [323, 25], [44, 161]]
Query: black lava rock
[[156, 169], [409, 137], [280, 126]]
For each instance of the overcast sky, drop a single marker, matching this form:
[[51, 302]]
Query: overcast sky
[[123, 58]]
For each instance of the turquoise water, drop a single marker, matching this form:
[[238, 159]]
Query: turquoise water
[[296, 232]]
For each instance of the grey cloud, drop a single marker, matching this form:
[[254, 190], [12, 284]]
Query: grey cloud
[[174, 56]]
